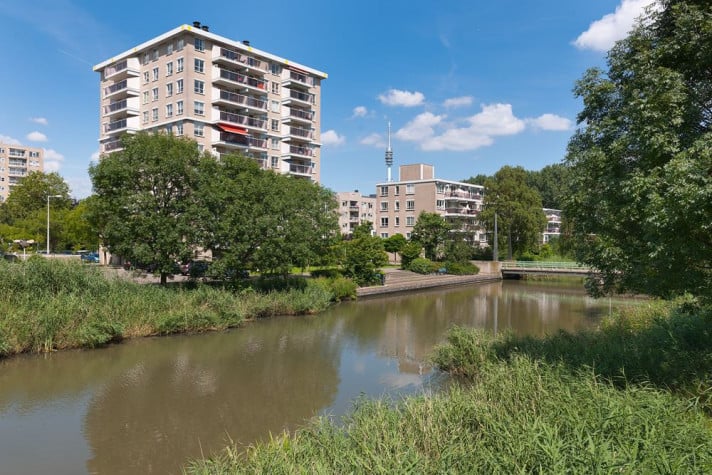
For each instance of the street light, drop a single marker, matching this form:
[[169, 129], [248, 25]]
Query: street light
[[48, 197]]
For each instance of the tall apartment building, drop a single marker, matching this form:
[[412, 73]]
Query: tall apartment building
[[355, 209], [227, 95], [399, 203], [17, 161]]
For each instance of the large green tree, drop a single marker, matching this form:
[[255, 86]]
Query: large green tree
[[520, 218], [432, 232], [145, 200], [553, 182], [641, 204], [30, 195]]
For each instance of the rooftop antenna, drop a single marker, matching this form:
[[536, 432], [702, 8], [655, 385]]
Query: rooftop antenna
[[389, 153]]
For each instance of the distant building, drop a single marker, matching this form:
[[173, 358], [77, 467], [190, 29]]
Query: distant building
[[16, 161], [355, 209], [553, 224], [399, 203], [226, 95]]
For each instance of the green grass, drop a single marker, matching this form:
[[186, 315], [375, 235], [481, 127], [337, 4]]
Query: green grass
[[629, 398], [51, 304]]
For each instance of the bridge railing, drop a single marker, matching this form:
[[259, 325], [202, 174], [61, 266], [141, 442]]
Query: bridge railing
[[542, 265]]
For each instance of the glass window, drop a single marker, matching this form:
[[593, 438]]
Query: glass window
[[169, 89], [275, 143], [440, 188], [275, 125], [198, 129], [275, 106], [384, 191], [146, 77], [155, 73], [179, 128], [199, 44], [384, 205], [180, 44], [199, 86], [145, 117], [410, 221], [199, 108], [169, 48], [146, 57], [154, 54], [154, 93], [275, 68], [384, 235], [275, 162], [154, 114], [169, 110], [179, 108], [409, 189], [440, 204], [169, 68], [410, 205], [384, 222], [145, 97], [397, 205], [397, 190], [179, 65], [397, 222], [199, 65], [275, 87], [179, 86]]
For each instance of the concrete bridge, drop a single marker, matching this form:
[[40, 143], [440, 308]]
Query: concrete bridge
[[519, 268]]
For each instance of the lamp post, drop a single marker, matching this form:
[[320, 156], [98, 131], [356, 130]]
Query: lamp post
[[48, 197]]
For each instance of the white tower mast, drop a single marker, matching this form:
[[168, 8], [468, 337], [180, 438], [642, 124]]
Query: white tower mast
[[389, 153]]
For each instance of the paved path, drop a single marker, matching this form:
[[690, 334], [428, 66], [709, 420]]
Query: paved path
[[401, 281]]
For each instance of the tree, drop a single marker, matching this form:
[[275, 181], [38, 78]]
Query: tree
[[78, 233], [394, 244], [30, 195], [409, 253], [478, 179], [520, 218], [641, 203], [431, 231], [363, 255], [145, 200], [553, 182]]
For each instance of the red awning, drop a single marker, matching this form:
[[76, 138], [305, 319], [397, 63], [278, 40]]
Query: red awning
[[232, 129]]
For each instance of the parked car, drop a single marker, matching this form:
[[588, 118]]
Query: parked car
[[195, 268], [90, 257]]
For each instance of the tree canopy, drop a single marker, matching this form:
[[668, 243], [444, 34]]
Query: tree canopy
[[553, 183], [520, 218], [431, 231], [641, 161]]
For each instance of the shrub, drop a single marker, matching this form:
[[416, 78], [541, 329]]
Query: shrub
[[328, 273], [462, 268], [340, 288], [410, 252], [422, 265]]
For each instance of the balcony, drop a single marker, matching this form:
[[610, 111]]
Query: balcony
[[296, 151], [231, 78], [237, 140], [17, 171], [299, 133], [122, 69], [299, 97], [17, 163], [14, 152], [244, 120], [464, 194], [112, 146], [119, 126], [297, 78], [303, 170], [298, 115], [248, 102], [463, 211], [122, 106], [121, 89], [235, 58]]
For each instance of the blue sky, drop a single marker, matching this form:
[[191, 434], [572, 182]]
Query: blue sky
[[468, 85]]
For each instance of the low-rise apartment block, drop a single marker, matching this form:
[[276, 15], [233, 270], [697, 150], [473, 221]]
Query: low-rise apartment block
[[553, 225], [354, 210], [227, 95], [16, 161], [399, 203]]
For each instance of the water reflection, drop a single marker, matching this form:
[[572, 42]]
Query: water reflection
[[148, 406]]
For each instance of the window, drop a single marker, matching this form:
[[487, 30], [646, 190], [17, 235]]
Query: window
[[169, 89], [384, 222], [199, 65], [154, 93], [180, 44], [199, 86], [198, 129], [145, 97], [384, 206], [146, 57], [275, 125], [179, 108], [169, 129], [275, 68], [169, 48], [145, 117], [397, 223], [179, 128], [440, 204], [384, 235], [410, 221], [275, 106], [410, 205], [397, 205], [169, 68], [409, 189], [146, 77], [384, 191], [199, 44], [275, 87], [440, 188], [397, 190], [179, 86], [154, 54], [155, 74], [154, 114], [199, 108], [408, 235], [169, 110], [275, 162], [275, 143], [179, 65]]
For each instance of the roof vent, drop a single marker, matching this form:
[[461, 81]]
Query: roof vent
[[196, 24], [205, 28], [246, 42]]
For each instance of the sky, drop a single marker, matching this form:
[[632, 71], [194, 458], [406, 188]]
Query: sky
[[468, 85]]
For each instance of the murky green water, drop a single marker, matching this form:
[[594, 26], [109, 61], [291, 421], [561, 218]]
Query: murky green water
[[148, 406]]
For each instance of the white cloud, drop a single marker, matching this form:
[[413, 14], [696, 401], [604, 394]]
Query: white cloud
[[330, 137], [39, 120], [496, 119], [550, 122], [36, 137], [603, 33], [420, 128], [395, 97], [95, 156], [374, 140], [9, 140], [360, 111], [458, 140], [458, 101], [52, 160]]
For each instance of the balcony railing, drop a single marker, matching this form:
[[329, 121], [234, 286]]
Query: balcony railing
[[116, 87], [464, 194], [243, 79], [243, 120], [16, 153], [243, 100], [302, 96], [307, 152], [17, 163], [115, 106], [300, 132], [242, 59], [301, 114], [118, 67], [116, 125], [242, 140], [301, 78], [463, 211], [301, 169], [17, 171], [113, 145]]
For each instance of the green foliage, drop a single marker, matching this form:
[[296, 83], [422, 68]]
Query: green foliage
[[458, 251], [340, 288], [462, 268], [431, 231], [641, 202], [421, 265], [365, 229], [479, 179], [328, 273], [394, 243], [30, 195], [553, 183], [520, 218], [362, 258], [410, 252]]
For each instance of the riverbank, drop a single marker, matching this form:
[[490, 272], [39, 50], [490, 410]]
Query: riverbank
[[633, 396], [397, 280]]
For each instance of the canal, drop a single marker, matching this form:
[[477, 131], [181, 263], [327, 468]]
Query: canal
[[150, 405]]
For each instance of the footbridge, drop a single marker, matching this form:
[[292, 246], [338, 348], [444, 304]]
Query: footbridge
[[519, 268]]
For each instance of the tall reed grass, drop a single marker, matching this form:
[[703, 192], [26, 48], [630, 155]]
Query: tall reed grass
[[51, 304], [613, 400]]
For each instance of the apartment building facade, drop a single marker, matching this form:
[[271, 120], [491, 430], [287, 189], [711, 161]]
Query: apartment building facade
[[354, 210], [553, 225], [399, 203], [227, 95], [16, 161]]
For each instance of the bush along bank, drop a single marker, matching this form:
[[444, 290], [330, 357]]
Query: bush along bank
[[540, 407], [50, 305]]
